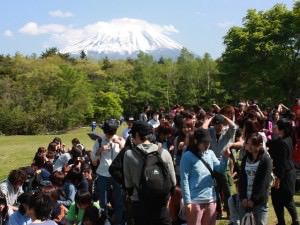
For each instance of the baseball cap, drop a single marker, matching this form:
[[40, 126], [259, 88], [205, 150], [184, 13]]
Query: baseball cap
[[218, 119], [110, 125], [141, 127]]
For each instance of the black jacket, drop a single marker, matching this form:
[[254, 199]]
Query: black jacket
[[281, 152], [261, 184]]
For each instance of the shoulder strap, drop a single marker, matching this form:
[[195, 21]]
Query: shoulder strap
[[205, 164]]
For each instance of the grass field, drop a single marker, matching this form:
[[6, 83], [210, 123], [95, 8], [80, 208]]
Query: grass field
[[17, 151]]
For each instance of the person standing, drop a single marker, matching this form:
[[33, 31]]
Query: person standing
[[197, 179], [146, 212], [129, 122], [255, 179], [104, 154], [285, 175], [94, 125], [144, 115], [222, 136]]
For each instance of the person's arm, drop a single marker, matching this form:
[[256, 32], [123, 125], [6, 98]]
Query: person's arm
[[219, 166], [95, 153], [260, 113], [185, 170], [285, 107], [5, 192], [242, 184], [129, 185], [230, 122], [170, 164], [283, 150], [237, 145], [216, 107], [61, 215], [206, 123], [70, 195]]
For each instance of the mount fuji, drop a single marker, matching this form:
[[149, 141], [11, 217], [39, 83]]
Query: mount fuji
[[124, 38]]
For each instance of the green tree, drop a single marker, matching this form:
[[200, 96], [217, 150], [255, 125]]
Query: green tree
[[107, 105], [261, 60]]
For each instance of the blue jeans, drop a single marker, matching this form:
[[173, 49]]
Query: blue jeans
[[260, 213], [234, 209], [102, 188]]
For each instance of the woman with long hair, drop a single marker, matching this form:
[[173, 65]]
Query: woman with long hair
[[283, 191], [255, 179], [197, 179]]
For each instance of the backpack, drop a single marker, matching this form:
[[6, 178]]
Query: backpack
[[155, 182], [248, 219]]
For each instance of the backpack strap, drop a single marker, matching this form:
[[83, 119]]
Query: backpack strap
[[205, 164]]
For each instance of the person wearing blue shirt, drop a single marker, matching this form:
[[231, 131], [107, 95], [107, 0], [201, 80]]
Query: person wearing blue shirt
[[197, 183], [19, 217]]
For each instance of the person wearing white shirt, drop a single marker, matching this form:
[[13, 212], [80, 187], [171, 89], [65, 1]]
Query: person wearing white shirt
[[105, 151], [154, 122], [12, 188]]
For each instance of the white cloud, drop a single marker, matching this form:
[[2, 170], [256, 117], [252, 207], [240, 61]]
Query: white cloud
[[225, 24], [33, 28], [8, 33], [61, 14], [63, 35]]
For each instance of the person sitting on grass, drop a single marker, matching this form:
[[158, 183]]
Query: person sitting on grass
[[83, 200], [39, 209], [12, 188], [19, 217]]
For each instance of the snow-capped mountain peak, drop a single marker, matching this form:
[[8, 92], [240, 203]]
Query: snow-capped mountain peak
[[125, 37]]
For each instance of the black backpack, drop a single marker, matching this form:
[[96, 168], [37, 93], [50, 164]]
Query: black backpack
[[155, 182]]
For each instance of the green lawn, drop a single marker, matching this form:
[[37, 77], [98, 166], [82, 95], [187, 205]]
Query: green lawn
[[17, 151]]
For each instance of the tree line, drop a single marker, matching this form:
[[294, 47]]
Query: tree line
[[56, 92]]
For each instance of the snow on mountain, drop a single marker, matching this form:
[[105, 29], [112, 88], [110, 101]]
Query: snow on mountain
[[122, 38]]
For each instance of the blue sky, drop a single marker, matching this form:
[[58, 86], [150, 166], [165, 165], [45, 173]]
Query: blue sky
[[201, 24]]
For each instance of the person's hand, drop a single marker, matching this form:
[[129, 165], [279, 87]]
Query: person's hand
[[171, 149], [245, 203], [181, 145], [276, 184], [103, 148], [250, 204], [188, 209], [227, 153]]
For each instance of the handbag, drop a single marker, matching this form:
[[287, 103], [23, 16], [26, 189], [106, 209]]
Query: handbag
[[248, 219]]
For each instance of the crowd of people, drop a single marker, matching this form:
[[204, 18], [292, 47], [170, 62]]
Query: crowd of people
[[182, 166]]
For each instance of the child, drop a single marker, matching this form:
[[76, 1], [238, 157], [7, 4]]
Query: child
[[83, 200]]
